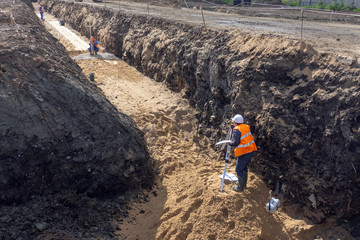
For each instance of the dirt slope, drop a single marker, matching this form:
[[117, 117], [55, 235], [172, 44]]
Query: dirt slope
[[334, 33], [303, 104], [55, 131], [186, 203], [65, 150], [193, 207]]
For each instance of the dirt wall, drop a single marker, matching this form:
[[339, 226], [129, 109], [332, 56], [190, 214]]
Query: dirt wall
[[303, 105], [58, 131]]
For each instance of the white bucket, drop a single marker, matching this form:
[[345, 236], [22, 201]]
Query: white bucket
[[273, 205]]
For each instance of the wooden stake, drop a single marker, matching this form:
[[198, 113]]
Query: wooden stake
[[302, 22], [202, 15], [331, 15], [89, 28]]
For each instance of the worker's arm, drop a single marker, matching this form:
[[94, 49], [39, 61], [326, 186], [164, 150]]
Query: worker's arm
[[235, 141]]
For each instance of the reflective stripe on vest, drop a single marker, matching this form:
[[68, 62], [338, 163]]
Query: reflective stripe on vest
[[247, 143], [242, 137]]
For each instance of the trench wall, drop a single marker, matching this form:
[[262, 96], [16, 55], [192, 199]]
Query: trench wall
[[58, 133], [303, 105]]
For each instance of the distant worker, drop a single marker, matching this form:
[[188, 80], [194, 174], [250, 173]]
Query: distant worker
[[94, 48], [245, 146], [41, 11]]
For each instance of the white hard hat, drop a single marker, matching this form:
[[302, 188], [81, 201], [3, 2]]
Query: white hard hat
[[238, 119]]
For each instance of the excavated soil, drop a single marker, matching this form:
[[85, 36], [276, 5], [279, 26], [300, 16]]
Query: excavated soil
[[336, 33], [302, 103], [185, 203], [69, 158]]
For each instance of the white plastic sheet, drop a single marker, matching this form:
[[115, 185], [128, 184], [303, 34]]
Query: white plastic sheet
[[229, 176]]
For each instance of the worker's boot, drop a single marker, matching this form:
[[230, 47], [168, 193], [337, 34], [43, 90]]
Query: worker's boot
[[241, 185], [246, 177]]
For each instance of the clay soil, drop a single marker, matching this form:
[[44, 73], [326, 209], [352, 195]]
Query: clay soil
[[186, 202]]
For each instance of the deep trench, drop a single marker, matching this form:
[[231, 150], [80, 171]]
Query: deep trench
[[303, 105]]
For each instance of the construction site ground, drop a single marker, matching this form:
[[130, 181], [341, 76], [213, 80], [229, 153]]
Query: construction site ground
[[188, 183], [339, 37]]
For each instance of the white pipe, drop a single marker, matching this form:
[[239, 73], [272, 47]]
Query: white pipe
[[222, 182]]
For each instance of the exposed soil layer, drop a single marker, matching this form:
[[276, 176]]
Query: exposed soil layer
[[336, 37], [303, 104], [61, 139], [187, 202]]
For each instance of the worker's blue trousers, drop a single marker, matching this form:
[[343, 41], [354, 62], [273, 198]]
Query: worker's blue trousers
[[42, 16], [242, 163], [95, 49]]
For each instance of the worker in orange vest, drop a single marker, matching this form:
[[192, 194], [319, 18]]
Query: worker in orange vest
[[245, 147], [94, 48], [41, 11]]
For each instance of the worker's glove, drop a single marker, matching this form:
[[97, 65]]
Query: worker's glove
[[226, 160]]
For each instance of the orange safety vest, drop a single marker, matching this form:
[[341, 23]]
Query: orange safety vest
[[247, 143], [94, 42], [41, 9]]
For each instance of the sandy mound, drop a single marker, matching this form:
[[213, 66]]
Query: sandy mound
[[187, 203]]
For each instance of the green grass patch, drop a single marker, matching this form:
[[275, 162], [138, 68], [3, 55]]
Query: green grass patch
[[334, 6], [291, 3], [228, 2]]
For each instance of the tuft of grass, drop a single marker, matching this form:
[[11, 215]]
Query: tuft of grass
[[291, 3], [228, 2], [320, 5], [338, 6]]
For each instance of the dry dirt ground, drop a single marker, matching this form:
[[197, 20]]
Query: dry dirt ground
[[187, 203], [327, 35]]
